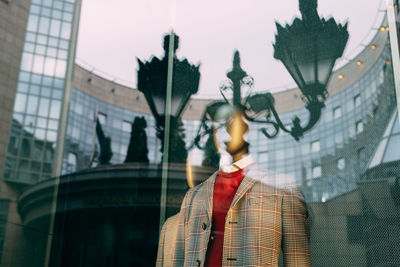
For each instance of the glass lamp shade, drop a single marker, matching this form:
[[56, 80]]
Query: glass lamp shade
[[309, 51], [152, 82]]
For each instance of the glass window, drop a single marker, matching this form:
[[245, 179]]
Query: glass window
[[338, 138], [361, 154], [47, 3], [78, 108], [33, 23], [62, 54], [58, 4], [67, 17], [55, 27], [116, 123], [337, 112], [38, 63], [53, 124], [69, 7], [46, 91], [359, 127], [40, 49], [20, 103], [55, 109], [26, 63], [357, 100], [29, 47], [126, 126], [280, 154], [352, 131], [316, 172], [65, 30], [50, 64], [102, 118], [44, 107], [53, 42], [72, 158], [315, 146], [22, 87], [341, 164], [35, 9], [32, 104], [44, 25], [42, 39], [61, 68], [41, 122], [51, 136], [263, 157], [305, 148], [46, 11]]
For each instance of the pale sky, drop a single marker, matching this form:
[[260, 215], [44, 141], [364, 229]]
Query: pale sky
[[113, 33]]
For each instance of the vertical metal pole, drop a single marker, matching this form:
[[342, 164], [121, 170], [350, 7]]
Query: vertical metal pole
[[57, 164], [167, 129], [394, 44]]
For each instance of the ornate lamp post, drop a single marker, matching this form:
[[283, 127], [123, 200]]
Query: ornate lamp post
[[308, 48], [153, 82]]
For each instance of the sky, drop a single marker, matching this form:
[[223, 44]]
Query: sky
[[112, 34]]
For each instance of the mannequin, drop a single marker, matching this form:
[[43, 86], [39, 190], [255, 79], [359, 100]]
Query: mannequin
[[239, 216]]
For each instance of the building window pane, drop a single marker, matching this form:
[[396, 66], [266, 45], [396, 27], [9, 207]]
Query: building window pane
[[55, 28], [44, 107], [280, 154], [126, 126], [316, 171], [361, 154], [26, 63], [305, 149], [352, 131], [315, 146], [32, 104], [341, 164], [38, 63], [359, 127], [72, 158], [44, 25], [20, 102], [357, 100], [102, 118], [263, 157], [65, 30], [32, 23], [337, 112], [61, 68], [50, 65], [55, 109]]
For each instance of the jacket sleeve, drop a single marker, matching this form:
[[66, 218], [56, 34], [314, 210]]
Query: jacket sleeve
[[161, 245], [167, 241], [295, 231], [178, 249]]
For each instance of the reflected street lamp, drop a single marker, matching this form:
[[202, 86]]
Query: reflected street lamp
[[153, 82], [308, 48]]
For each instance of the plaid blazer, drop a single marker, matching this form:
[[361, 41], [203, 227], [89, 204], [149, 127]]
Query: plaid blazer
[[262, 219]]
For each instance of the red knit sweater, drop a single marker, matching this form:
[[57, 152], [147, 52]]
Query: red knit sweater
[[225, 187]]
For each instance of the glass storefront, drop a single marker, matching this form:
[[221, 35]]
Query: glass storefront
[[236, 134]]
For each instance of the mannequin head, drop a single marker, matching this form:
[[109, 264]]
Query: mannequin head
[[230, 131]]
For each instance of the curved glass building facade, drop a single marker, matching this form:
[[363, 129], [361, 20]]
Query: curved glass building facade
[[70, 198]]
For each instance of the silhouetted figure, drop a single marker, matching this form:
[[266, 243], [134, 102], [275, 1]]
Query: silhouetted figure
[[105, 145], [177, 152], [137, 150]]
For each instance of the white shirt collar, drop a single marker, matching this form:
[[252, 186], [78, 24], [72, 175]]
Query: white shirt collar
[[244, 162]]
